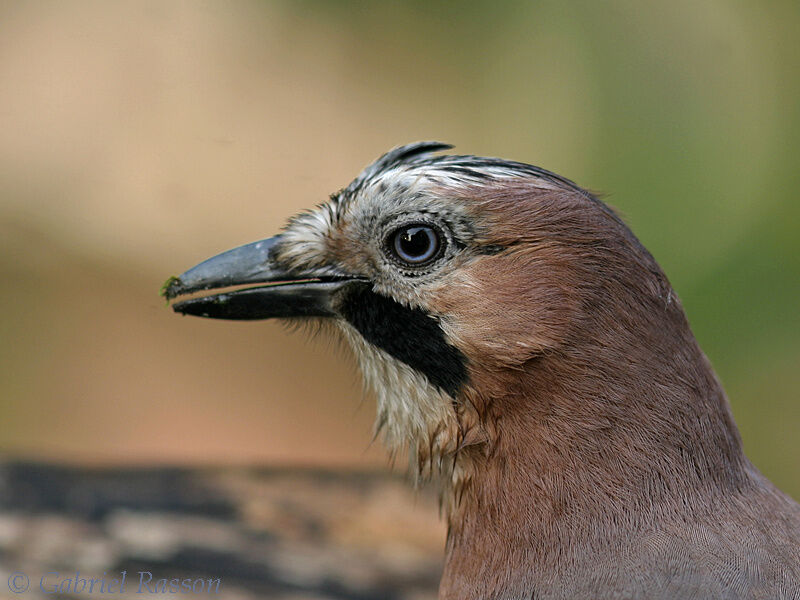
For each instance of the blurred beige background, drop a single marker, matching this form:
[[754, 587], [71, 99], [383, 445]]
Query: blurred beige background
[[137, 138]]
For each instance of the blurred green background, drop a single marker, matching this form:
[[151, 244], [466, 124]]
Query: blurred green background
[[137, 138]]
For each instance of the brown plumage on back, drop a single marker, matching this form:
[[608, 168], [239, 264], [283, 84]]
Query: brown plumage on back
[[533, 358]]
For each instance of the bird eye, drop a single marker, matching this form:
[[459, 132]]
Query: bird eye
[[416, 244]]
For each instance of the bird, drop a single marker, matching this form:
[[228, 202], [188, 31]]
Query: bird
[[531, 358]]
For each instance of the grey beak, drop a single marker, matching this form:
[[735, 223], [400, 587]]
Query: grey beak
[[287, 294]]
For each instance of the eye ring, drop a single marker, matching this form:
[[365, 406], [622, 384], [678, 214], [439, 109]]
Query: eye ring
[[415, 244]]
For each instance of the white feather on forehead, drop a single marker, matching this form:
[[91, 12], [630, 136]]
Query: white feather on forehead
[[307, 238]]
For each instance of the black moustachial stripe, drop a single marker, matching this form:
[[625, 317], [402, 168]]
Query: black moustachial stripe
[[407, 334]]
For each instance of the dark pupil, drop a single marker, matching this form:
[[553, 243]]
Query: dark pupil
[[416, 244]]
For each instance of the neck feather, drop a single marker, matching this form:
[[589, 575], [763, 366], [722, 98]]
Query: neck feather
[[586, 448]]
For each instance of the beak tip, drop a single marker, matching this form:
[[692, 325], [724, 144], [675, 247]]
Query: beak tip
[[172, 288]]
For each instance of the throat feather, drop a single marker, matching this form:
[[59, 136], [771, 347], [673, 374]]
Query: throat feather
[[412, 414], [419, 380]]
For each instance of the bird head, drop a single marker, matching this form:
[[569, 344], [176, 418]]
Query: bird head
[[486, 301]]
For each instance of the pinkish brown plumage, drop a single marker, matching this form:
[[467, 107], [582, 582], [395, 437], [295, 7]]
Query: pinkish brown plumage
[[533, 359]]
